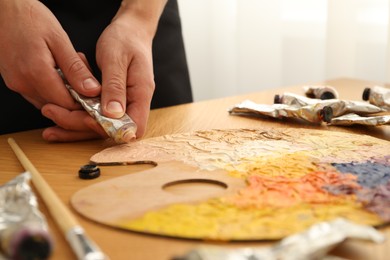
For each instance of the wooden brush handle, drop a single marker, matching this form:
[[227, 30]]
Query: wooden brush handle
[[64, 219]]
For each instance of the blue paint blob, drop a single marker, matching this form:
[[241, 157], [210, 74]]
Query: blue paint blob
[[377, 200], [369, 174]]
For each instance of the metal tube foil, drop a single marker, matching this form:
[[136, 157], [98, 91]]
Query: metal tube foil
[[310, 113], [354, 119], [314, 243], [339, 107], [379, 96], [23, 229], [121, 130], [321, 92]]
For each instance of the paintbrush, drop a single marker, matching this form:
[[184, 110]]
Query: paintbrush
[[83, 247]]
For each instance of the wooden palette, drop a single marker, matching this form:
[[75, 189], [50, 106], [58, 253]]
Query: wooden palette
[[241, 184]]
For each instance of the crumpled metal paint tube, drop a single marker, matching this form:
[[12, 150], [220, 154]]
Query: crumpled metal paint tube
[[354, 119], [121, 130], [293, 99], [379, 96], [313, 243], [310, 113], [339, 107], [23, 229], [321, 92]]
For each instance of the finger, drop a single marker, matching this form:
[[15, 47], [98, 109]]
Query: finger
[[39, 82], [114, 77], [77, 120], [58, 134], [95, 126], [139, 112], [140, 92], [67, 119], [138, 108], [74, 68]]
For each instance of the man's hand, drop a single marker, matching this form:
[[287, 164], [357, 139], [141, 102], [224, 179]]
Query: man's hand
[[72, 125], [32, 45], [124, 55]]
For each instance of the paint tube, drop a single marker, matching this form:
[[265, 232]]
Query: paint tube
[[310, 113], [121, 130], [314, 243], [294, 100], [339, 107], [321, 92], [23, 229], [354, 119], [379, 96]]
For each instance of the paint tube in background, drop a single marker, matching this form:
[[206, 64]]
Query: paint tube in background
[[321, 92], [23, 229], [339, 107], [121, 130], [354, 119], [314, 243], [311, 113], [292, 99], [379, 96]]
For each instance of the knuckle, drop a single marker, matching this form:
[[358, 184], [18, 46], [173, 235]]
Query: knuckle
[[15, 84], [149, 89], [115, 84], [149, 85], [75, 66]]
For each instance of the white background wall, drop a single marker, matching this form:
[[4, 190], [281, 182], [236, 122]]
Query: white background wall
[[242, 46]]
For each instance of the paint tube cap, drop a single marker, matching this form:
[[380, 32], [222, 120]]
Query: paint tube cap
[[326, 114], [366, 94], [89, 171], [31, 244], [327, 95], [277, 99]]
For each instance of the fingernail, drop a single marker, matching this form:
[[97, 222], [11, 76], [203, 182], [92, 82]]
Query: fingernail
[[114, 107], [90, 84]]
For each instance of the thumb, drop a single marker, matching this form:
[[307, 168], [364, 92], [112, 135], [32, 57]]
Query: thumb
[[114, 86]]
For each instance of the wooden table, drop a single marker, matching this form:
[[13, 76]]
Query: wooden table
[[59, 164]]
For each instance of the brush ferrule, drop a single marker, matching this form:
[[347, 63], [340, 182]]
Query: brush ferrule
[[83, 247]]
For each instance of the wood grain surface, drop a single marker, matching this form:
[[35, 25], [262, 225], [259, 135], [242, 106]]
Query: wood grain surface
[[132, 195], [59, 164]]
